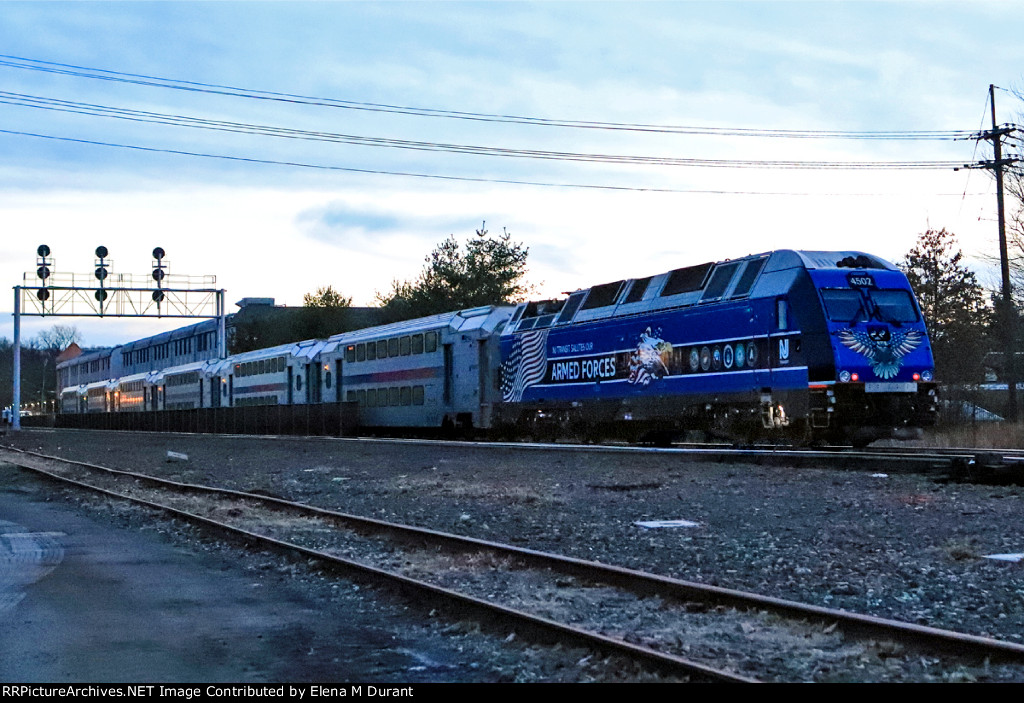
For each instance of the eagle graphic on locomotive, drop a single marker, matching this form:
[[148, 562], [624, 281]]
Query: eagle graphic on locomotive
[[806, 346]]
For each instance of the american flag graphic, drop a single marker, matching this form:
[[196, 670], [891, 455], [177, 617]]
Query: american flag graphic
[[526, 364]]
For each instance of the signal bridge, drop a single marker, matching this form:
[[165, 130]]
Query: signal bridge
[[107, 294]]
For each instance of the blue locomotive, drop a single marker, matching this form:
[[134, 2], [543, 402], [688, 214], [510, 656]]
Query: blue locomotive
[[813, 346]]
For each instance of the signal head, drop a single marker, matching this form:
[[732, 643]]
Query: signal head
[[101, 252], [158, 253], [43, 251]]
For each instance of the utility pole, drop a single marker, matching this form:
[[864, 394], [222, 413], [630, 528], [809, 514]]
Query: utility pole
[[1009, 311]]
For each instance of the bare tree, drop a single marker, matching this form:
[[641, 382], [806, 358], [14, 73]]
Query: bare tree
[[57, 338]]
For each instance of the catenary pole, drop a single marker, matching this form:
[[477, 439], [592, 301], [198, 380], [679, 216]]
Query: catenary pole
[[1010, 321]]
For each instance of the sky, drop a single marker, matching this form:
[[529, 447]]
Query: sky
[[328, 191]]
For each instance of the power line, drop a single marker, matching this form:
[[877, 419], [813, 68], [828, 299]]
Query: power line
[[54, 104], [72, 70], [468, 179]]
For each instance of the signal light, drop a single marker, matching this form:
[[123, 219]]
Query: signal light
[[43, 271], [100, 295], [159, 273], [101, 265]]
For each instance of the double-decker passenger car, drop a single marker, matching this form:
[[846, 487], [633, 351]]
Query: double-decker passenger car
[[288, 374], [436, 371], [433, 372]]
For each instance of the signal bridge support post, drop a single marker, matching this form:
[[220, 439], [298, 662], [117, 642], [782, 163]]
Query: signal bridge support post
[[16, 400]]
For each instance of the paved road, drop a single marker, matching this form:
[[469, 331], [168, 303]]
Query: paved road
[[85, 599]]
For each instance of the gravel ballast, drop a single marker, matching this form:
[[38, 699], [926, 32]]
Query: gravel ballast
[[900, 546]]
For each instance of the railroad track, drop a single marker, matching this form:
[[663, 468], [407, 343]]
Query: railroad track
[[674, 627], [971, 464], [960, 462]]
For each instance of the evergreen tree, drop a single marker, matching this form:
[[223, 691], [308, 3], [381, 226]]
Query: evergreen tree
[[489, 271], [326, 297], [954, 306]]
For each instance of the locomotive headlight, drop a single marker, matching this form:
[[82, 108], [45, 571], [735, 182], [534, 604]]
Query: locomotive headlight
[[927, 375], [844, 376]]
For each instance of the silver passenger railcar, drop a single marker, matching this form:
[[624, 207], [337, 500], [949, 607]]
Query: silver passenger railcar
[[432, 372], [288, 374]]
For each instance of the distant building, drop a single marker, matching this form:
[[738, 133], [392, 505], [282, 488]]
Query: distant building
[[71, 352]]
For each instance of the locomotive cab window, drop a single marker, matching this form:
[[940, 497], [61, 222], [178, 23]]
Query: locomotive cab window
[[843, 305], [850, 306], [895, 305], [781, 314]]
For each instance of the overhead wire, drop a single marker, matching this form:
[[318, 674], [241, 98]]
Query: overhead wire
[[72, 70], [92, 109], [468, 179]]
